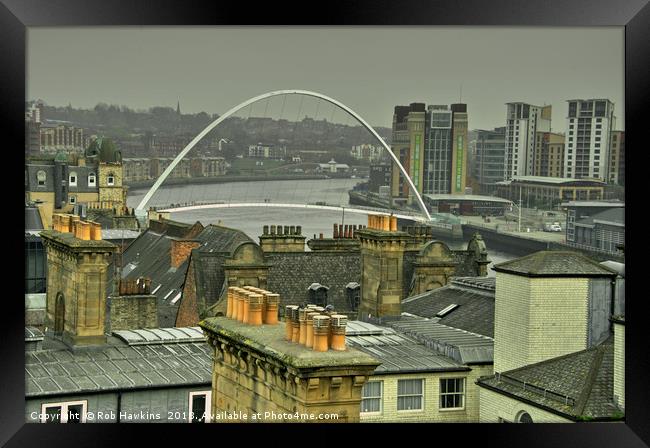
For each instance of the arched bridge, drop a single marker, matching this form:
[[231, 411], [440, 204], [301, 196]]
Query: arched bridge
[[402, 214], [141, 208]]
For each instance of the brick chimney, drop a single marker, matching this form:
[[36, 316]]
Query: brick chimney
[[181, 250]]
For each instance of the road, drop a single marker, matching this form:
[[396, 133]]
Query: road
[[499, 224]]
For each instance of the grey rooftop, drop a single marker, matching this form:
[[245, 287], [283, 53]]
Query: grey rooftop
[[118, 366]]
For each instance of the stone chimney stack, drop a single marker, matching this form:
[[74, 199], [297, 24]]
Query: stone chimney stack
[[77, 279], [180, 251], [382, 267], [287, 239]]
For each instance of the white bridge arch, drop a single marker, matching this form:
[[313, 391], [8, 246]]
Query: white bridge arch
[[140, 209]]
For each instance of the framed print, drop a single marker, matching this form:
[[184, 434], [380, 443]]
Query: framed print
[[375, 212]]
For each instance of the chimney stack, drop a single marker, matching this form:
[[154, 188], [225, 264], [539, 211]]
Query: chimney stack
[[335, 233], [180, 251]]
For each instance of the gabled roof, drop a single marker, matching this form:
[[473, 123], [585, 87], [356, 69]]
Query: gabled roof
[[578, 386], [179, 360], [220, 239], [149, 255], [554, 263], [474, 297]]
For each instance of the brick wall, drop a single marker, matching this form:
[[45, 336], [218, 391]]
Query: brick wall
[[188, 315], [180, 251], [431, 404], [619, 363], [494, 406], [133, 312], [538, 319]]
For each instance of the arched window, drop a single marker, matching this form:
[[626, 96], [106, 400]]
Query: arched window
[[352, 291], [92, 180], [72, 179], [41, 177], [524, 417]]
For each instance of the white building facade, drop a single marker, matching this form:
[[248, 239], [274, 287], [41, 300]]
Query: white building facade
[[522, 122], [588, 138]]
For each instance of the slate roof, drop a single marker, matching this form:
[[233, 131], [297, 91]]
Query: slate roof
[[397, 352], [218, 244], [33, 219], [291, 274], [462, 346], [149, 255], [578, 386], [554, 263], [474, 297], [117, 366]]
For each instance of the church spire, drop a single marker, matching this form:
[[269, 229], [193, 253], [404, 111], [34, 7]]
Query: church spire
[[178, 108]]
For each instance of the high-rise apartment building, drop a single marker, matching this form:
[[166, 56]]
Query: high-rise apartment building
[[33, 130], [431, 143], [589, 127], [489, 158], [617, 158], [523, 121], [549, 154]]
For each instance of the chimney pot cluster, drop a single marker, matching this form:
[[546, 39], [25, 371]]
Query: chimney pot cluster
[[252, 305], [139, 286], [425, 231], [282, 231], [315, 328], [348, 231], [83, 230], [382, 222]]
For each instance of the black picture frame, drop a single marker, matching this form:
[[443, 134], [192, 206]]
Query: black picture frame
[[16, 15]]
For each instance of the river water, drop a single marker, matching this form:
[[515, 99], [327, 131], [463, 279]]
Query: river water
[[251, 219]]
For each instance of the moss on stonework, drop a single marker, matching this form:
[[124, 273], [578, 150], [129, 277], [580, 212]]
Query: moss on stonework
[[269, 341]]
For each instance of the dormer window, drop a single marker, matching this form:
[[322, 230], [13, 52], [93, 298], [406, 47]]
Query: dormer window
[[353, 294], [318, 294], [72, 179], [92, 180]]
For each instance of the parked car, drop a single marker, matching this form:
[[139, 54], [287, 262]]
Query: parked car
[[552, 228]]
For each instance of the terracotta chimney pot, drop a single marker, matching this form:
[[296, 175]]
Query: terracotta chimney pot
[[309, 328], [288, 324], [271, 309], [338, 325], [302, 322], [229, 299], [321, 332], [255, 309]]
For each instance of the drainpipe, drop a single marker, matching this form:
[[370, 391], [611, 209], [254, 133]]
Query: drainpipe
[[119, 405]]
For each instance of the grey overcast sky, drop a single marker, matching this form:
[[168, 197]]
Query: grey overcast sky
[[370, 69]]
